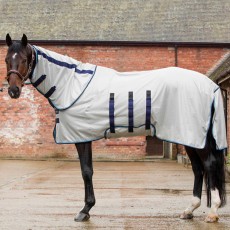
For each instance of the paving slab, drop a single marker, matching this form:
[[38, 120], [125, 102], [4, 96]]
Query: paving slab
[[37, 195]]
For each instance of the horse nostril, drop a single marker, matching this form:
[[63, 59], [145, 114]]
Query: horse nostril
[[10, 93], [17, 92]]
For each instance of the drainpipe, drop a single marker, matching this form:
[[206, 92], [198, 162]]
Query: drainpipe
[[176, 55]]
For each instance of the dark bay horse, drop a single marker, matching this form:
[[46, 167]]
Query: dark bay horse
[[207, 163]]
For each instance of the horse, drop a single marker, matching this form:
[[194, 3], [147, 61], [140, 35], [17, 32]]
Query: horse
[[206, 153]]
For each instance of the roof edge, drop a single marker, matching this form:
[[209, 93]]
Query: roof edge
[[127, 43], [220, 71]]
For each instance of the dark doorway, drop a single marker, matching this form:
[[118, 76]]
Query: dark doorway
[[154, 147]]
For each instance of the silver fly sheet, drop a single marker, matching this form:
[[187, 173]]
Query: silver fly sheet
[[93, 102]]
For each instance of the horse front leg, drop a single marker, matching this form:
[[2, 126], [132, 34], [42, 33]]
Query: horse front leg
[[198, 171], [85, 156]]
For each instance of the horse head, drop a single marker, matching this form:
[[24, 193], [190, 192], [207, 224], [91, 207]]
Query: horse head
[[19, 61]]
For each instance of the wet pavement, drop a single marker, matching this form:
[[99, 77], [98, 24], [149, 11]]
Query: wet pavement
[[37, 195]]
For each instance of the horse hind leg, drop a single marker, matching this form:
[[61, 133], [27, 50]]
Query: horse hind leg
[[198, 171], [214, 166], [216, 202], [215, 183]]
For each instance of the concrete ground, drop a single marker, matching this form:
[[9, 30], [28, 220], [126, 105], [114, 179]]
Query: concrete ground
[[37, 195]]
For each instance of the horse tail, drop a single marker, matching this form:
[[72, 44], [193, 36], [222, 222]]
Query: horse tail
[[218, 179], [214, 174]]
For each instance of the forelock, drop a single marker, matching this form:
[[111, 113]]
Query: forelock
[[15, 47]]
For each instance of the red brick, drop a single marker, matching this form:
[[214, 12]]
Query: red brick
[[27, 123]]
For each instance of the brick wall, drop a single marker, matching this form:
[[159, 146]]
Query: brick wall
[[27, 123]]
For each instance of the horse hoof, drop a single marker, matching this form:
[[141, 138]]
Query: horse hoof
[[82, 217], [186, 216], [211, 218]]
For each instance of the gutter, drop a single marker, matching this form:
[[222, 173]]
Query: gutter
[[223, 79]]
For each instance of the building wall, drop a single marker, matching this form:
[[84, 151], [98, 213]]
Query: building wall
[[228, 115], [27, 123]]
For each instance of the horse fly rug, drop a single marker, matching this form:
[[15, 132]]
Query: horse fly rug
[[93, 102]]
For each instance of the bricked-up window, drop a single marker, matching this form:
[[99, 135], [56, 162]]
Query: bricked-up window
[[154, 146]]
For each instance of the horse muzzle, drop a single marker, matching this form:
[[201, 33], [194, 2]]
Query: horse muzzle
[[14, 92]]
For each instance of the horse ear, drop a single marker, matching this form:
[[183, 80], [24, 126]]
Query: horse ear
[[24, 40], [8, 40]]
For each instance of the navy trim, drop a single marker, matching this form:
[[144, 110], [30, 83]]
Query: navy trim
[[125, 127], [216, 89], [50, 92], [130, 112], [39, 81], [64, 64], [51, 104], [148, 110], [152, 134], [81, 93], [111, 113], [67, 107]]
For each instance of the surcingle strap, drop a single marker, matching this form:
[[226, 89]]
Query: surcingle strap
[[111, 113], [130, 112], [50, 92], [148, 110], [57, 118], [39, 81]]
